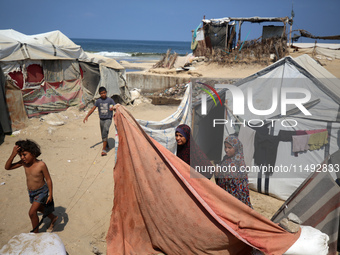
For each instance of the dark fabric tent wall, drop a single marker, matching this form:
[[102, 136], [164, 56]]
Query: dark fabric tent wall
[[5, 121]]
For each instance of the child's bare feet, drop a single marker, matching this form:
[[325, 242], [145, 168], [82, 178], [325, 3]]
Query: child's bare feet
[[53, 223]]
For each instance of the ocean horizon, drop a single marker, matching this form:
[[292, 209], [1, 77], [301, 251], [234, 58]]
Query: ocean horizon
[[133, 50]]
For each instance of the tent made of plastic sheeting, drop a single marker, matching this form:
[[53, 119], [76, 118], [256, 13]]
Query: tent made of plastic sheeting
[[46, 85], [159, 206], [284, 75], [111, 75], [5, 124], [316, 202], [51, 45], [164, 131], [51, 72], [325, 77], [324, 107], [331, 50]]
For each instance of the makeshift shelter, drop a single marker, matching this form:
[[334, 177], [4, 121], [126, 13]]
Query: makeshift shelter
[[323, 106], [160, 206], [5, 124], [52, 73], [313, 198], [221, 33]]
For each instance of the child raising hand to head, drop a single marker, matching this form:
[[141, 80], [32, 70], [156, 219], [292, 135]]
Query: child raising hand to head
[[38, 179]]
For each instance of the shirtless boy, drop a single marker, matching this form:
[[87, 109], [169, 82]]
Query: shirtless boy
[[39, 182]]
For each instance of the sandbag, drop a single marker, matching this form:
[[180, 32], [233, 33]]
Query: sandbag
[[135, 93], [311, 242], [37, 244]]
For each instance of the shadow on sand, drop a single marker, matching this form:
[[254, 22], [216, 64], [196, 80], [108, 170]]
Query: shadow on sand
[[110, 143], [61, 221]]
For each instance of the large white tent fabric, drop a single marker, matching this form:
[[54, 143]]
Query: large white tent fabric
[[324, 109], [112, 76], [324, 76], [53, 45]]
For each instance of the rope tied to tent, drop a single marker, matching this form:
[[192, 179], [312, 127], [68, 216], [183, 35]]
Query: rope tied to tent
[[54, 47]]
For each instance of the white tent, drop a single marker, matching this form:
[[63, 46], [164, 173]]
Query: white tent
[[324, 106], [53, 73]]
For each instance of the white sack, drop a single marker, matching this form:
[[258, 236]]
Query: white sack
[[37, 244], [311, 242]]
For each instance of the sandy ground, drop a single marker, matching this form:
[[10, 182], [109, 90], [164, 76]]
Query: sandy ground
[[213, 70], [82, 179]]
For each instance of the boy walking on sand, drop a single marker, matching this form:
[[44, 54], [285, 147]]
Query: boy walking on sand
[[105, 109], [38, 179]]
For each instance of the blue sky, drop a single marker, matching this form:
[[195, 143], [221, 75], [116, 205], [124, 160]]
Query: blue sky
[[159, 19]]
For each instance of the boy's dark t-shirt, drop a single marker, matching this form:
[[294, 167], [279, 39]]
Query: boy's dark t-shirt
[[104, 106]]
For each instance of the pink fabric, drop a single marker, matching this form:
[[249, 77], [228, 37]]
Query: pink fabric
[[300, 142], [160, 207]]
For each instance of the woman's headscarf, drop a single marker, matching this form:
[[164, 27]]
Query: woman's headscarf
[[235, 181], [198, 157], [238, 159], [183, 151]]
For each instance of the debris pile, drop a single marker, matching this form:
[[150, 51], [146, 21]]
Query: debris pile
[[167, 61], [177, 91], [257, 51]]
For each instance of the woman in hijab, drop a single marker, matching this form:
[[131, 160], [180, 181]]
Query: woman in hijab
[[233, 176], [197, 156]]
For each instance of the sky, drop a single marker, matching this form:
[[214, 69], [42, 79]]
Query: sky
[[161, 20]]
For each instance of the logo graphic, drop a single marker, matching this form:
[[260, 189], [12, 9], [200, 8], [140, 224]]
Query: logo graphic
[[278, 99], [204, 97]]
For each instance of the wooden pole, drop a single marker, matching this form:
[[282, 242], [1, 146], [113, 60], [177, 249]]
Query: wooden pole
[[290, 35], [226, 37], [239, 32]]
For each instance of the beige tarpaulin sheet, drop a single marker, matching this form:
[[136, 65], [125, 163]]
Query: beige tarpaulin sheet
[[160, 207], [331, 50]]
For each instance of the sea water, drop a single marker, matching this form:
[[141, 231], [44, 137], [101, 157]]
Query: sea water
[[133, 50]]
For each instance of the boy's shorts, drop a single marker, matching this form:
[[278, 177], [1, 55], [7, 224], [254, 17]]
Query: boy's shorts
[[104, 128], [39, 195]]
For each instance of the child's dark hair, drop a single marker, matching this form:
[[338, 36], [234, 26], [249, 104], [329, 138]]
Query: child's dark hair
[[102, 89], [30, 146]]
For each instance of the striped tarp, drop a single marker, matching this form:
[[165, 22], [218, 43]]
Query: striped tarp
[[317, 203]]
